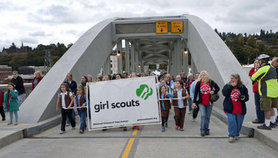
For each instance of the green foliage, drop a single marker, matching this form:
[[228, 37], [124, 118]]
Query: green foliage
[[36, 57], [17, 61], [247, 47], [4, 60]]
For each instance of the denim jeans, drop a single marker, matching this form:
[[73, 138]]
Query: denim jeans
[[190, 104], [82, 115], [21, 98], [205, 117], [234, 124], [259, 112]]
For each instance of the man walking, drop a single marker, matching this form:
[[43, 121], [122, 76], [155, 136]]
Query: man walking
[[19, 86], [268, 90]]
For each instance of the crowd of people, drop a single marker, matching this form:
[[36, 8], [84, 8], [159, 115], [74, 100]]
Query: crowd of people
[[197, 92], [15, 95]]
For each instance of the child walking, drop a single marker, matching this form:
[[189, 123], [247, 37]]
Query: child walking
[[180, 104], [11, 103], [65, 101], [165, 106], [80, 104]]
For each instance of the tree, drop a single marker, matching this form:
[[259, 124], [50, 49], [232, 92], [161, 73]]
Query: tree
[[17, 61]]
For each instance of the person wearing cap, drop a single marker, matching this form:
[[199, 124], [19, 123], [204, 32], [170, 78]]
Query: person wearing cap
[[259, 112], [268, 88]]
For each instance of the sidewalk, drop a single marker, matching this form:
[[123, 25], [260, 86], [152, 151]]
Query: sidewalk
[[268, 137], [12, 133]]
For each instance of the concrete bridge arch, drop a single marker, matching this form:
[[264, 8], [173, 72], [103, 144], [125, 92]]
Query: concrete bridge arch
[[143, 46]]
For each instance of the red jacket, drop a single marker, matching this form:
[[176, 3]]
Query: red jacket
[[1, 98], [39, 79], [256, 84]]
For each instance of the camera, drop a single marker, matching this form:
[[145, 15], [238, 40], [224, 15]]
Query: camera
[[241, 97]]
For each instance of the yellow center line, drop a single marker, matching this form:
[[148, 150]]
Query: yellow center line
[[129, 144], [134, 132]]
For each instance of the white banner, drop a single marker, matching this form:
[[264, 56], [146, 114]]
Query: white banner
[[123, 102]]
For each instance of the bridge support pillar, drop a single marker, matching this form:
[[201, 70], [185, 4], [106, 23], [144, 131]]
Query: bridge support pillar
[[185, 62], [127, 57], [179, 57], [193, 67], [107, 66], [132, 58], [120, 57]]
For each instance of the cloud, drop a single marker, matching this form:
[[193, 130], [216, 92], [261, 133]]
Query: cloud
[[38, 34], [45, 22], [28, 40]]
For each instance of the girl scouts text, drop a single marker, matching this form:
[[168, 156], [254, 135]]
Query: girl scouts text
[[102, 106]]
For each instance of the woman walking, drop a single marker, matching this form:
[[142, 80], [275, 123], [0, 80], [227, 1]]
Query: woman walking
[[236, 94], [205, 87]]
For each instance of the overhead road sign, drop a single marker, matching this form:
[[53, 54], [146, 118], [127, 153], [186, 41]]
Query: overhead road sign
[[161, 26], [176, 26]]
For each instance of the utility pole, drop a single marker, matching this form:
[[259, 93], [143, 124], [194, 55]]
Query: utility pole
[[47, 61]]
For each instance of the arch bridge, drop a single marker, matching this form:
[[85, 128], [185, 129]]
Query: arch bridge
[[168, 40]]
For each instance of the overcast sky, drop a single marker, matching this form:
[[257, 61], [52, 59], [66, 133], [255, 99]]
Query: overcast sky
[[50, 21]]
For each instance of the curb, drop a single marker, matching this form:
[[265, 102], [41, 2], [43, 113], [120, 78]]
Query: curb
[[29, 132], [266, 140], [250, 131], [42, 126], [9, 139], [244, 130]]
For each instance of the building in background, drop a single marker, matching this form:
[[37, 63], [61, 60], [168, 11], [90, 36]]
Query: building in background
[[5, 71], [14, 50]]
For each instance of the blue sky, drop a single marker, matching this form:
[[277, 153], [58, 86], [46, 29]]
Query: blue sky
[[42, 22]]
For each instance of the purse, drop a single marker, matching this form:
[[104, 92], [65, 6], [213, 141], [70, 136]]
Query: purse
[[214, 97]]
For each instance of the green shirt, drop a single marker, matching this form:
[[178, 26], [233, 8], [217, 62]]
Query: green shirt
[[268, 81]]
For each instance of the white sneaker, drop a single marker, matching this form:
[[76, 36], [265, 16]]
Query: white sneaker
[[194, 120], [62, 132], [231, 140]]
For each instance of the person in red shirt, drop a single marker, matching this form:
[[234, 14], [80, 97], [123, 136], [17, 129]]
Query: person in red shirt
[[236, 94], [38, 77], [259, 112], [205, 87], [2, 112]]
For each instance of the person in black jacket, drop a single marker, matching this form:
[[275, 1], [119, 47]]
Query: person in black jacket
[[71, 83], [205, 87], [19, 86], [236, 94]]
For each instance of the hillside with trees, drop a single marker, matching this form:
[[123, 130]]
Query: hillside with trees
[[245, 48], [36, 57]]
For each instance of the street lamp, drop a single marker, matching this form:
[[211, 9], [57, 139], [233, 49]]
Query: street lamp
[[119, 53]]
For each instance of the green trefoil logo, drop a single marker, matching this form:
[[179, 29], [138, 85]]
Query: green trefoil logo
[[144, 91]]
